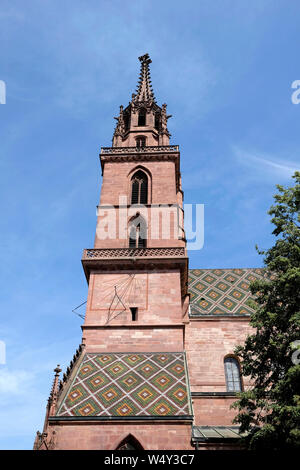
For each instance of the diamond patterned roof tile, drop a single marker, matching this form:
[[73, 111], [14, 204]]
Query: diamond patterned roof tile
[[222, 291], [124, 384]]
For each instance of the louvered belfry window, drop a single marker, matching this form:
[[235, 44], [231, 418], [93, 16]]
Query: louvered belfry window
[[141, 142], [139, 188], [126, 120], [142, 117], [156, 121], [137, 233], [232, 375]]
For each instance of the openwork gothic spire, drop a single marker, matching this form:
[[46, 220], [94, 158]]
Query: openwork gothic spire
[[144, 89], [142, 123]]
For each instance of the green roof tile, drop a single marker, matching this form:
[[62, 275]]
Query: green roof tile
[[222, 291]]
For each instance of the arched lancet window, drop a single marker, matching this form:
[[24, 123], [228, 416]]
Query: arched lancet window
[[139, 188], [156, 121], [232, 374], [127, 120], [130, 443], [137, 232], [141, 141], [142, 117]]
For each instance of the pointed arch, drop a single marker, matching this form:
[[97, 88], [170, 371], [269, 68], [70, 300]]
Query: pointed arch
[[140, 167], [232, 374], [129, 443], [139, 187], [137, 231]]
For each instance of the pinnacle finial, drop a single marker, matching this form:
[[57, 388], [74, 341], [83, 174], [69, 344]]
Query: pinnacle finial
[[145, 59], [57, 370], [144, 90]]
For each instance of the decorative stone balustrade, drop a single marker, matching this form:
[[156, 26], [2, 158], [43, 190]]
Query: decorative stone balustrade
[[127, 258], [139, 150], [113, 253]]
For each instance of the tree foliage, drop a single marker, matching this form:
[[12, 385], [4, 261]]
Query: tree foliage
[[269, 411]]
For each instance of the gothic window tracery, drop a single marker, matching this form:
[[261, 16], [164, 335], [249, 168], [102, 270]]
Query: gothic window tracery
[[139, 188], [232, 374]]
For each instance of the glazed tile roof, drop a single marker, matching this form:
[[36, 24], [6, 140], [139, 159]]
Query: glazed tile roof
[[131, 384], [222, 291]]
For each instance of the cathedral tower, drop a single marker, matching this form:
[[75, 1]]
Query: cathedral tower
[[156, 367], [127, 385]]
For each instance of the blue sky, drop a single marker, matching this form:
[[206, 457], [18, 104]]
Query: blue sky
[[224, 68]]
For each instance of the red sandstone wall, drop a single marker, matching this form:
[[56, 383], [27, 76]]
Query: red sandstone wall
[[107, 436], [116, 181], [206, 344], [163, 226], [123, 339], [210, 411], [157, 295]]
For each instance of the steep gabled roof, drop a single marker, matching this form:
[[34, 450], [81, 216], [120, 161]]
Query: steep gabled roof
[[124, 385], [222, 291]]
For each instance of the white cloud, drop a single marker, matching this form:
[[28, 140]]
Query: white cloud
[[265, 164], [22, 405], [14, 382], [25, 383]]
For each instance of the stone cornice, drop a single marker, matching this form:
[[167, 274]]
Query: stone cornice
[[102, 259], [135, 326], [155, 149], [88, 419], [213, 394], [218, 317], [142, 154]]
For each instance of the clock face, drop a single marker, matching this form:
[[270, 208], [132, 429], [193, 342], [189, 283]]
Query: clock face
[[117, 292]]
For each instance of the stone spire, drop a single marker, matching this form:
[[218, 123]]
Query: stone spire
[[43, 438], [143, 123], [144, 90], [54, 391]]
